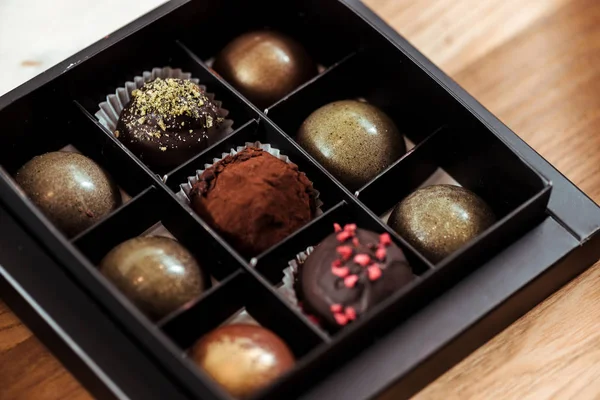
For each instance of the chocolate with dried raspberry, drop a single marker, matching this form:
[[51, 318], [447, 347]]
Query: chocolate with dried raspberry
[[350, 272]]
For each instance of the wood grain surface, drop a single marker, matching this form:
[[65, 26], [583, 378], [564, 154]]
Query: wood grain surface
[[536, 65]]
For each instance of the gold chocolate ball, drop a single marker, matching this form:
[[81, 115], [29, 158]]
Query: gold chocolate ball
[[70, 189], [354, 141], [156, 273], [242, 358], [264, 66], [437, 220]]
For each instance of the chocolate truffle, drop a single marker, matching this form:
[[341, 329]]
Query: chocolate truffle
[[70, 189], [439, 219], [350, 272], [354, 141], [264, 66], [156, 273], [167, 122], [243, 358], [253, 199]]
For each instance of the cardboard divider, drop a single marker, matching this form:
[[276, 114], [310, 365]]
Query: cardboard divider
[[240, 291], [213, 238], [363, 77], [478, 161], [143, 213], [403, 177], [81, 134], [89, 137], [36, 144], [323, 75], [483, 163], [129, 221], [240, 111], [178, 176], [85, 136]]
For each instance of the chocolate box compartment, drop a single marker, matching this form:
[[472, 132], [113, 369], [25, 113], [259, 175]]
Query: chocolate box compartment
[[172, 54], [547, 237], [140, 217], [236, 293], [67, 136], [316, 30], [241, 291], [384, 81], [297, 19], [479, 161], [273, 261]]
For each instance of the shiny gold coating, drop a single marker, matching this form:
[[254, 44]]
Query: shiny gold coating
[[437, 220], [70, 189], [242, 358], [264, 66], [156, 273], [353, 140]]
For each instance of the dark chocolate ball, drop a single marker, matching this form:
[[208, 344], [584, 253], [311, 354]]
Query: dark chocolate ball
[[354, 141], [70, 189], [264, 66], [349, 273], [242, 358], [437, 220], [156, 273], [167, 122], [254, 199]]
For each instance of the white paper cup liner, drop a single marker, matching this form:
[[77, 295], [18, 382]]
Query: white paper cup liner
[[185, 188], [287, 289], [110, 110]]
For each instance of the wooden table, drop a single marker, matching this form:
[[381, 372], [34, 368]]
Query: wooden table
[[536, 65]]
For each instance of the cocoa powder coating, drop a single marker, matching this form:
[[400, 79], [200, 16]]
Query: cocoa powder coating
[[253, 199]]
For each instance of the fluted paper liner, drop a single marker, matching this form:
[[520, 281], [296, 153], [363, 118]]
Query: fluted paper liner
[[110, 110], [185, 188], [287, 289]]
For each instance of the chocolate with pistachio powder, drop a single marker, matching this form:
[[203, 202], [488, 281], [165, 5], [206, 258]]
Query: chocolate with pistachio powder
[[167, 122]]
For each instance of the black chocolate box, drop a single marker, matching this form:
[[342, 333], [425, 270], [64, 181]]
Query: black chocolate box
[[545, 235]]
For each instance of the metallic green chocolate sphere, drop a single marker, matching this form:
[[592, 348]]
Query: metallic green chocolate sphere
[[354, 141], [437, 220], [156, 273], [70, 189]]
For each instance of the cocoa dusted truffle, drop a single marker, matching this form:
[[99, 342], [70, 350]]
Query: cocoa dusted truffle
[[354, 141], [70, 189], [254, 199], [243, 358], [439, 219], [167, 122], [349, 273], [265, 66]]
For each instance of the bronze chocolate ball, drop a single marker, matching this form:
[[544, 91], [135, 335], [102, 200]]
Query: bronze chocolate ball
[[70, 189], [156, 273], [264, 66], [242, 358], [354, 141], [437, 220]]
